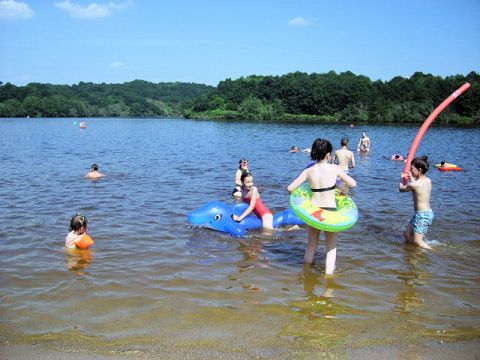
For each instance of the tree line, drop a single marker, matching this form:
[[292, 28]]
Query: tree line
[[131, 99], [294, 97], [344, 97]]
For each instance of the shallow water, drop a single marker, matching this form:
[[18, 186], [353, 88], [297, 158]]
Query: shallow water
[[153, 281]]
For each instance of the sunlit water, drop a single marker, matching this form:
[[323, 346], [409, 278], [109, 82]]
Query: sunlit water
[[152, 281]]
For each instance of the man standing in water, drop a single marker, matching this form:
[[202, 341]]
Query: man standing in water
[[344, 157], [364, 143]]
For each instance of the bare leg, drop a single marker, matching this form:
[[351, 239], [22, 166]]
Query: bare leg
[[331, 248], [418, 239], [313, 239], [267, 221]]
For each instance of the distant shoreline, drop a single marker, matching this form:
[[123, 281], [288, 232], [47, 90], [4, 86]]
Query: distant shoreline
[[285, 121]]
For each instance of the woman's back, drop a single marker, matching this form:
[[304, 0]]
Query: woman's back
[[322, 178]]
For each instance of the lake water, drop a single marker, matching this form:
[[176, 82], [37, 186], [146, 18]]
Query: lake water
[[154, 282]]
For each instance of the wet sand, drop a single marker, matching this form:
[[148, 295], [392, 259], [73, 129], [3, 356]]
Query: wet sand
[[426, 351]]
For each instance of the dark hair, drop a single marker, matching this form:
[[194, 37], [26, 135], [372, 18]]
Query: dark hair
[[77, 222], [245, 174], [95, 167], [320, 149], [421, 163], [344, 142], [240, 162]]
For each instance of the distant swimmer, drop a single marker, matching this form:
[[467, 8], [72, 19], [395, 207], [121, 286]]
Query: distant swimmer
[[397, 157], [294, 149], [344, 157], [364, 143], [94, 173]]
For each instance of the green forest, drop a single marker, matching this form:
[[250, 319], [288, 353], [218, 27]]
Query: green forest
[[294, 97]]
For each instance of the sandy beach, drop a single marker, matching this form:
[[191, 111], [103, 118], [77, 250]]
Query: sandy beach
[[427, 351]]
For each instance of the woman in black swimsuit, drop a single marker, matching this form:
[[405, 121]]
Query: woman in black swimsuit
[[322, 177]]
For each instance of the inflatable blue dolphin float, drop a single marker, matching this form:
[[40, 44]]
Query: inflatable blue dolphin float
[[218, 216]]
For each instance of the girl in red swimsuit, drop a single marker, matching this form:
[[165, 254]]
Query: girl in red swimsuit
[[251, 196]]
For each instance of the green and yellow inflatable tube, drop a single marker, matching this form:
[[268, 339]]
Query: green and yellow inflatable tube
[[333, 221]]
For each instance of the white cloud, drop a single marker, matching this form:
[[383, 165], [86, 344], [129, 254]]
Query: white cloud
[[299, 21], [11, 9], [93, 10], [120, 65]]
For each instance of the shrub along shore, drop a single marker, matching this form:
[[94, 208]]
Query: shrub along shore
[[295, 97]]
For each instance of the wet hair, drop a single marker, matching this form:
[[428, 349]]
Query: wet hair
[[421, 163], [95, 167], [244, 175], [320, 149], [344, 142], [77, 222]]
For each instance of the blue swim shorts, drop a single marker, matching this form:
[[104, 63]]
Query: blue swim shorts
[[421, 221]]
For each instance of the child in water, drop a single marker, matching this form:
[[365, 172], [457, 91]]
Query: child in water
[[76, 231], [251, 196], [242, 169], [421, 187], [94, 173], [322, 177]]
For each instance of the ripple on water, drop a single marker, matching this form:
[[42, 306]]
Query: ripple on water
[[152, 280]]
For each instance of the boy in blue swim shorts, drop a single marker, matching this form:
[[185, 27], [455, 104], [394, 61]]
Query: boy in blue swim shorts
[[421, 187], [421, 221]]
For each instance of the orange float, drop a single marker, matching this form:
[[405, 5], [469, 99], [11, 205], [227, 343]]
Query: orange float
[[85, 242], [449, 168]]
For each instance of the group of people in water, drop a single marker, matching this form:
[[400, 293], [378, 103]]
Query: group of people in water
[[322, 176]]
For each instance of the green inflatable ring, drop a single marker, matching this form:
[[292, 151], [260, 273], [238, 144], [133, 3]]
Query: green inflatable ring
[[333, 221]]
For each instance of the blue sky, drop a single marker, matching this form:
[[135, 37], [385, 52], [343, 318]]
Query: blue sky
[[68, 41]]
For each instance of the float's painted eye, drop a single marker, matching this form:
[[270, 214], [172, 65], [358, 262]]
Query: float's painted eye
[[218, 217]]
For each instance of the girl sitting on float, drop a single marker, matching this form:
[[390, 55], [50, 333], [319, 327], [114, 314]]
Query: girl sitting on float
[[251, 196]]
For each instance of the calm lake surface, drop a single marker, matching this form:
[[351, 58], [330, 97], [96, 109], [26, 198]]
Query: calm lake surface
[[154, 282]]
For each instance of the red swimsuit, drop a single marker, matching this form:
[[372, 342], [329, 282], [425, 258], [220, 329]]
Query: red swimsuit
[[260, 208]]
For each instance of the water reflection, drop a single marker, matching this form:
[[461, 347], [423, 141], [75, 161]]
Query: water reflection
[[317, 306], [413, 277], [78, 260]]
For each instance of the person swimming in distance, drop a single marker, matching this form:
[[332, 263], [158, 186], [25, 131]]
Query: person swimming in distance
[[94, 173]]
